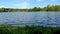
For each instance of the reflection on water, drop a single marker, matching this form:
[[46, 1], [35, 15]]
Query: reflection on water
[[30, 18]]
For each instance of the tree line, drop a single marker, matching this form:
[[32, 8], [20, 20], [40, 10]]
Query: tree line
[[47, 8]]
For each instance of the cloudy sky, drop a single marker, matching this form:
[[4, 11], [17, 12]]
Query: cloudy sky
[[27, 3]]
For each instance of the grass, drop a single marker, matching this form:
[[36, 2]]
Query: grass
[[6, 29]]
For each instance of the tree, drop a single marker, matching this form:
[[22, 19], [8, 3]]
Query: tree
[[47, 8]]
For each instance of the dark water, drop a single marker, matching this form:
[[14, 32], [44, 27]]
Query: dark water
[[30, 18]]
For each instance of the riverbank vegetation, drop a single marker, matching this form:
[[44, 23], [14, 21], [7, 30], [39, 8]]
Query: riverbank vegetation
[[6, 29], [35, 9]]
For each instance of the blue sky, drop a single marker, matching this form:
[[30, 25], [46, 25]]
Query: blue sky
[[27, 3]]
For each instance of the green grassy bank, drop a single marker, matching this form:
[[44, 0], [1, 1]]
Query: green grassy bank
[[5, 29]]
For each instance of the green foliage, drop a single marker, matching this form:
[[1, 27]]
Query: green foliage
[[48, 8], [5, 29]]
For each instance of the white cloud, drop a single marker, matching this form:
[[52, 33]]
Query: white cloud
[[39, 0], [14, 4], [22, 5]]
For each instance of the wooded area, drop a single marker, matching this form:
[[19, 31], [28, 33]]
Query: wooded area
[[48, 8]]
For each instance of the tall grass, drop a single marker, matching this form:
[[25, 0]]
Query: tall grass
[[6, 29]]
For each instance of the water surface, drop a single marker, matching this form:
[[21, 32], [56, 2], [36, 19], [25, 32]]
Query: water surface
[[30, 18]]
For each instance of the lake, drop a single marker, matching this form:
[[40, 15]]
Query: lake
[[30, 18]]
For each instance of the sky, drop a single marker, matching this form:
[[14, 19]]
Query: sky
[[27, 3]]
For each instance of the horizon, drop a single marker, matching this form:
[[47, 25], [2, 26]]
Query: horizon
[[27, 3]]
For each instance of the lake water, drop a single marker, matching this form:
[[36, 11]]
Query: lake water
[[30, 18]]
